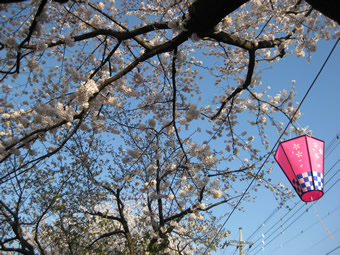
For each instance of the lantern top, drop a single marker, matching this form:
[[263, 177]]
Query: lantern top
[[301, 137], [302, 161]]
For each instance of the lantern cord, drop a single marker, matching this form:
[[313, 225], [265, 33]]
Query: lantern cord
[[273, 148]]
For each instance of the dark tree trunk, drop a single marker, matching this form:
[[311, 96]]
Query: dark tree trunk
[[329, 8], [206, 14]]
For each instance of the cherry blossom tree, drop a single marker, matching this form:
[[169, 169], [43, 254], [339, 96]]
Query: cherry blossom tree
[[126, 124]]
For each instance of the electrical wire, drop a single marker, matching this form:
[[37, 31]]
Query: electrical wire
[[271, 229], [291, 217], [264, 222], [332, 149], [273, 148], [306, 229], [333, 250], [333, 144]]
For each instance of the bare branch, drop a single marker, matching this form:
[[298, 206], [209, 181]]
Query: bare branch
[[246, 83], [174, 99], [105, 216], [112, 233]]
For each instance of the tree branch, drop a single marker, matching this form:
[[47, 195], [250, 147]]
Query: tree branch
[[119, 35], [27, 248], [246, 83], [244, 43], [136, 38], [223, 173], [34, 23], [204, 15], [174, 99], [117, 232]]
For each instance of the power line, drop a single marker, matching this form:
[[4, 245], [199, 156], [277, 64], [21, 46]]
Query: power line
[[264, 222], [329, 147], [274, 230], [273, 225], [305, 230], [333, 250], [332, 145], [291, 217], [306, 251], [333, 149], [271, 229]]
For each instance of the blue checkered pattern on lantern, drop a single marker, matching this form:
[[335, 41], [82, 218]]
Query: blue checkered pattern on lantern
[[304, 182], [297, 187], [318, 180]]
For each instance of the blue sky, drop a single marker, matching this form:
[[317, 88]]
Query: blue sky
[[312, 228]]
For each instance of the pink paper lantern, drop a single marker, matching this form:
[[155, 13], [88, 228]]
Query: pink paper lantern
[[302, 161]]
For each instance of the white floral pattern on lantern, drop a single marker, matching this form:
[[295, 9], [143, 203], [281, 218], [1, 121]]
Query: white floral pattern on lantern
[[296, 146], [299, 154]]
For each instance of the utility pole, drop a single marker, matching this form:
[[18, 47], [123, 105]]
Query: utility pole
[[239, 244]]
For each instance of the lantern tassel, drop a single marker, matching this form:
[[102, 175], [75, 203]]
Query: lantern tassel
[[322, 224]]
